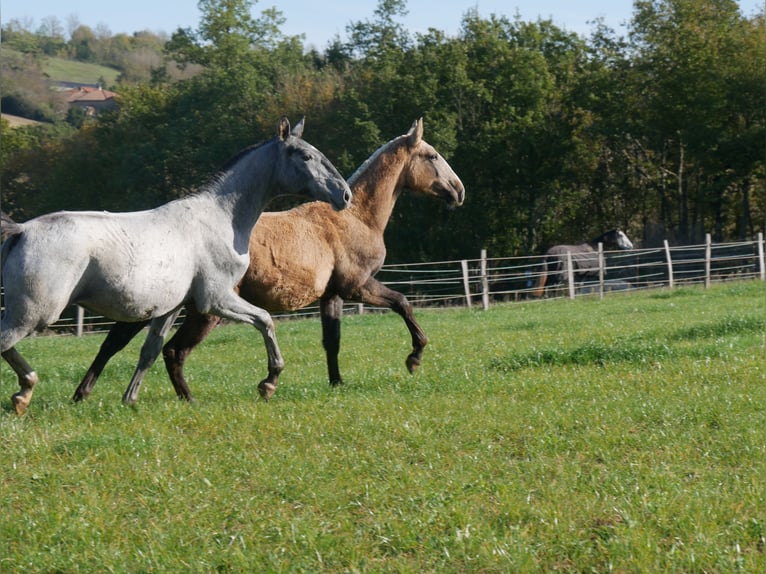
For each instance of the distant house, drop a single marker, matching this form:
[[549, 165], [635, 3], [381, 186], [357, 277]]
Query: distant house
[[91, 100]]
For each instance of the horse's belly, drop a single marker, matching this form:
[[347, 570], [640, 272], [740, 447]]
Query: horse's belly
[[132, 304], [135, 293], [281, 290]]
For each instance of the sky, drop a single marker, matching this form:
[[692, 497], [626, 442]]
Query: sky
[[321, 24]]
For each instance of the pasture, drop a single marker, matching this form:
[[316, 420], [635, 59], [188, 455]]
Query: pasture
[[624, 434]]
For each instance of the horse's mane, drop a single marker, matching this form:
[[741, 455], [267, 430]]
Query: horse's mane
[[361, 169], [219, 175], [240, 154]]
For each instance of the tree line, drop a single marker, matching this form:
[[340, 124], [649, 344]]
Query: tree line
[[558, 137]]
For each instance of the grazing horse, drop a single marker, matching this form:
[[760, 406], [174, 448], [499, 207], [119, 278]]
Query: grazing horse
[[584, 259], [311, 252], [144, 266]]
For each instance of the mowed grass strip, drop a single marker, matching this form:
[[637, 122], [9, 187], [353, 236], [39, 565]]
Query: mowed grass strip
[[623, 434]]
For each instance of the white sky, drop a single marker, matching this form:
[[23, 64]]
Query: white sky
[[320, 25]]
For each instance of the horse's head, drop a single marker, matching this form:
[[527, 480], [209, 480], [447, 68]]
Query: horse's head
[[428, 172], [616, 238], [305, 170]]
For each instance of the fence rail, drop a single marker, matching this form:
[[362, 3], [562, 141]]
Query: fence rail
[[488, 280]]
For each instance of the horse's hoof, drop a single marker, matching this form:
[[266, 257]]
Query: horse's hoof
[[266, 390], [20, 403], [412, 363], [336, 382]]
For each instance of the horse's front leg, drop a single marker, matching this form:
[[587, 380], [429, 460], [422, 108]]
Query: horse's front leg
[[237, 309], [331, 311], [27, 379], [119, 335], [195, 328], [150, 350], [375, 293]]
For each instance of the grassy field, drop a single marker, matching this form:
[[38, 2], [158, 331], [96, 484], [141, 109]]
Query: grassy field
[[60, 69], [619, 435]]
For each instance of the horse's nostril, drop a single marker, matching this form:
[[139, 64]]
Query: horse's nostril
[[347, 197]]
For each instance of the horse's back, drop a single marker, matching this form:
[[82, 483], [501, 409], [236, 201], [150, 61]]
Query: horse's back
[[122, 265]]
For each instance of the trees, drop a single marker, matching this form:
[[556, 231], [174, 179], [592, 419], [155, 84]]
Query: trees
[[556, 137], [702, 79]]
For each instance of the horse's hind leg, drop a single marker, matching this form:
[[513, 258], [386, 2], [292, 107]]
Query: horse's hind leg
[[150, 350], [119, 335], [195, 328], [331, 310], [27, 379]]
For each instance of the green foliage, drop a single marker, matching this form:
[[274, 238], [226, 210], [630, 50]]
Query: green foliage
[[640, 450], [557, 137]]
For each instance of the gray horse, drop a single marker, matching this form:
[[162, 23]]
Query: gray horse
[[148, 264], [584, 257]]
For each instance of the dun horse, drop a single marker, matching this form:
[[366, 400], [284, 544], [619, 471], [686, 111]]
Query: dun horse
[[311, 252], [143, 266], [584, 257]]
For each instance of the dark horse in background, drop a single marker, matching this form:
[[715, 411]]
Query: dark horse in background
[[584, 259]]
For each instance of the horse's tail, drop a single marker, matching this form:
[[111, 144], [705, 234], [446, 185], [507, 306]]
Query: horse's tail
[[540, 289], [9, 234]]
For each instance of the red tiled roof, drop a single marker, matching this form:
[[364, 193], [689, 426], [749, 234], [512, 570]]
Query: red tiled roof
[[86, 94]]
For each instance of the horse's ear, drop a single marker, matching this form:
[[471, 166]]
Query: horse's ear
[[415, 135], [283, 129], [298, 129]]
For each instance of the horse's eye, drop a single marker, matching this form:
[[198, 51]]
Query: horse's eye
[[306, 156], [433, 157]]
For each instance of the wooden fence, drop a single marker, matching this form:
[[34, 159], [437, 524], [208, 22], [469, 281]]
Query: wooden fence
[[485, 280]]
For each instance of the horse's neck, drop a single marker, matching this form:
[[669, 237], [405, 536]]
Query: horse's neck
[[376, 189], [240, 197]]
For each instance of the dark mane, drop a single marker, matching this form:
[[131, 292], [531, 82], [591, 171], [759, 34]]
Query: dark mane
[[219, 175], [239, 155]]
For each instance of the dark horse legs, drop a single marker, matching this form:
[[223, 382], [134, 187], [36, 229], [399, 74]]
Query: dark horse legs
[[373, 293], [331, 310], [119, 335], [195, 328]]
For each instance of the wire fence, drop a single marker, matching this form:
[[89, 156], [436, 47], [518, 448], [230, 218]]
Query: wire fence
[[488, 280]]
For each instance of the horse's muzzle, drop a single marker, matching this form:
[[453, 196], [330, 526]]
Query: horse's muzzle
[[340, 202], [460, 196]]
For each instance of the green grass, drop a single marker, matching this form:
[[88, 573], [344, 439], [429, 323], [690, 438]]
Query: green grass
[[60, 69], [625, 434]]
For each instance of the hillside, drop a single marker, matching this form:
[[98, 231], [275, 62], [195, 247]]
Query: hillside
[[61, 70], [16, 121]]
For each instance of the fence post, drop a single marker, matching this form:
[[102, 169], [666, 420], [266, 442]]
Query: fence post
[[601, 270], [80, 321], [360, 308], [761, 266], [669, 259], [570, 276], [466, 285], [708, 253], [484, 281]]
